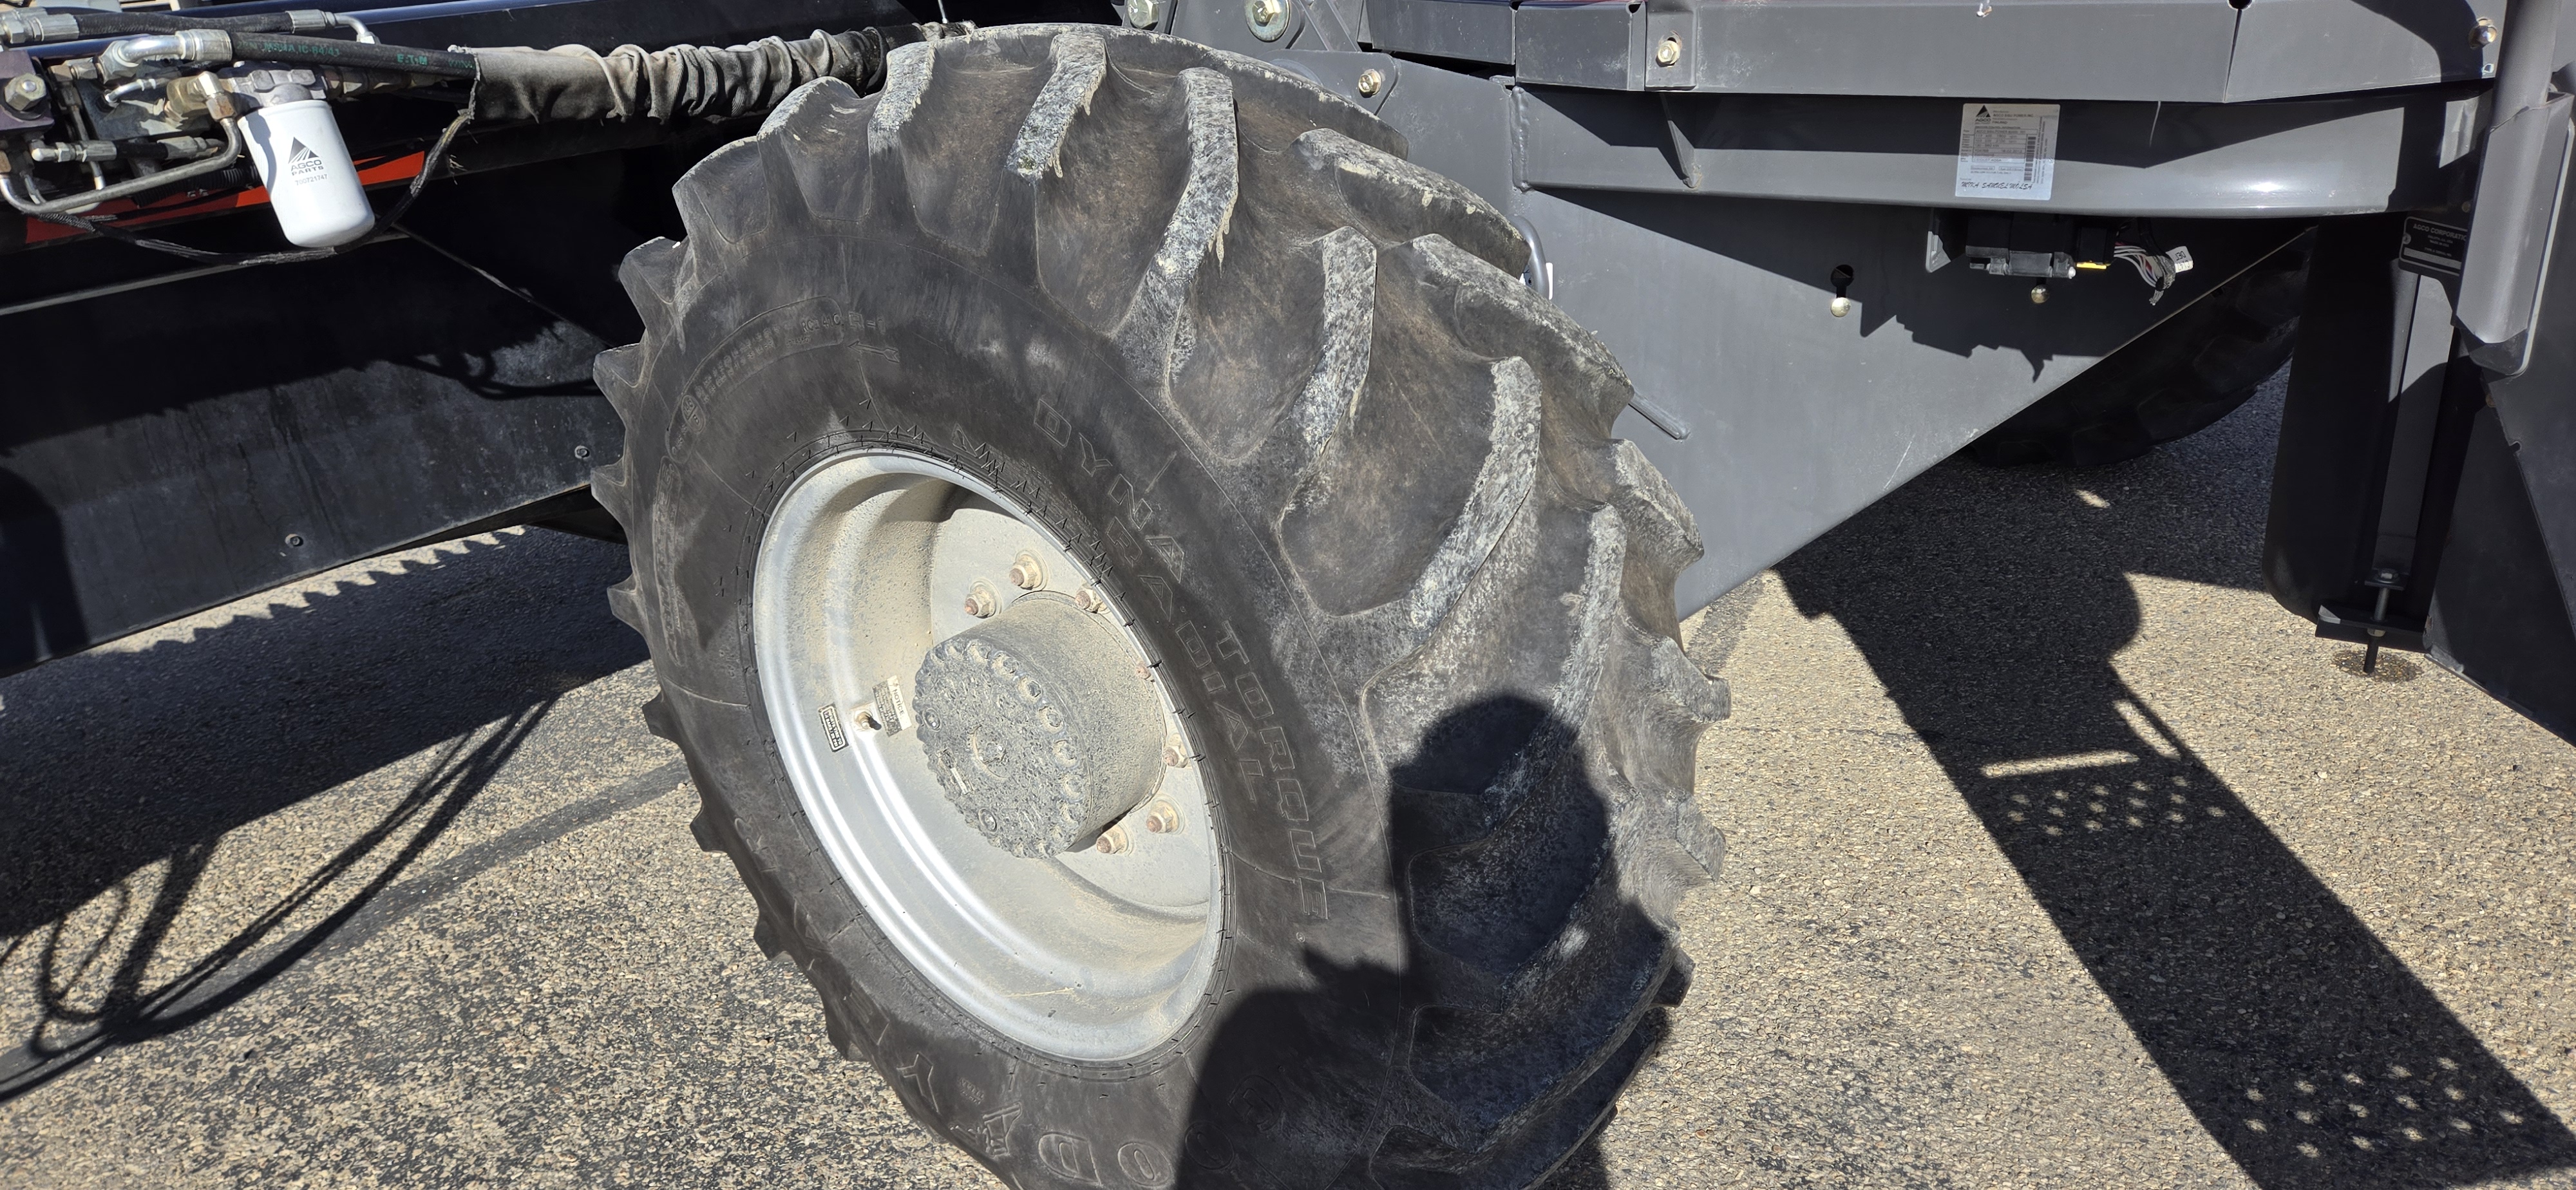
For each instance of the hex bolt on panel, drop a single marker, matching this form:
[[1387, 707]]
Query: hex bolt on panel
[[25, 92], [1268, 19]]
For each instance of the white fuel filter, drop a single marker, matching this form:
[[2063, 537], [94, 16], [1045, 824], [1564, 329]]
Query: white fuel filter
[[312, 184]]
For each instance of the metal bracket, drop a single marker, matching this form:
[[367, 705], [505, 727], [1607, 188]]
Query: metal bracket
[[2516, 222]]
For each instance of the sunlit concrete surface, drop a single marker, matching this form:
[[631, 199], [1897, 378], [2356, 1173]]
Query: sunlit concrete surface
[[2060, 856]]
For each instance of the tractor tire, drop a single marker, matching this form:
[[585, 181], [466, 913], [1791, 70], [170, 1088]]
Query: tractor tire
[[1347, 488], [2174, 381]]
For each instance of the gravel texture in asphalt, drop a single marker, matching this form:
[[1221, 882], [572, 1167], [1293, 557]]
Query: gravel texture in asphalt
[[2059, 856]]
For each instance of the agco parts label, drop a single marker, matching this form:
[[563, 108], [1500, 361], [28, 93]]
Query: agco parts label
[[2432, 249], [2007, 150]]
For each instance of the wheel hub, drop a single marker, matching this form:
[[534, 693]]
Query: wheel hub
[[902, 609], [1038, 727]]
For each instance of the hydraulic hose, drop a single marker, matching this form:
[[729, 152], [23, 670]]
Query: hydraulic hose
[[684, 81], [83, 199], [323, 51], [130, 56], [40, 27]]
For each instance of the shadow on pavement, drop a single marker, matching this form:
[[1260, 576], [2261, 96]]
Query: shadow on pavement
[[118, 762], [1990, 604]]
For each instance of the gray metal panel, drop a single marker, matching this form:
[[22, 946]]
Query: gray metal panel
[[2316, 47], [2366, 153], [1718, 310], [1580, 44], [1456, 125], [2019, 49], [1338, 72], [2524, 172], [1474, 30]]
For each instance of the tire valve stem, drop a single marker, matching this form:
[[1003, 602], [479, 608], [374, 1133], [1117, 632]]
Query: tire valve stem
[[980, 602], [1162, 817]]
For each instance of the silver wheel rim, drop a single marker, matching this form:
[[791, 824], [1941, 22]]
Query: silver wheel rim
[[864, 566]]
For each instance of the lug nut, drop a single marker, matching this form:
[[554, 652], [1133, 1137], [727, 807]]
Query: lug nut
[[1668, 51], [1026, 574], [1162, 817], [1112, 841], [1370, 81], [980, 602], [1175, 753], [1090, 601]]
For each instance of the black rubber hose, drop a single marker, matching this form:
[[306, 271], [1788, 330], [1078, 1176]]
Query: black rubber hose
[[322, 51], [123, 24]]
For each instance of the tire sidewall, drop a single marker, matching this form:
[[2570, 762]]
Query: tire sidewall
[[829, 344]]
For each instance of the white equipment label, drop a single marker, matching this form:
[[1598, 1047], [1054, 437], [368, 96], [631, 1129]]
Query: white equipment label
[[2007, 150]]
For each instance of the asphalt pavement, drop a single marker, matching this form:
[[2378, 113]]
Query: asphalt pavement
[[2059, 856]]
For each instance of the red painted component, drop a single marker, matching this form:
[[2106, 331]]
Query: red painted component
[[383, 171]]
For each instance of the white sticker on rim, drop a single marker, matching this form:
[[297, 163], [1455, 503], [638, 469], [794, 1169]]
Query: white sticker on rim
[[2007, 150]]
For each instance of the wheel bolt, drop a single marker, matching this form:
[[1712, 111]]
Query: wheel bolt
[[980, 602], [1162, 817], [1090, 601], [1112, 841], [1026, 574], [1176, 754]]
